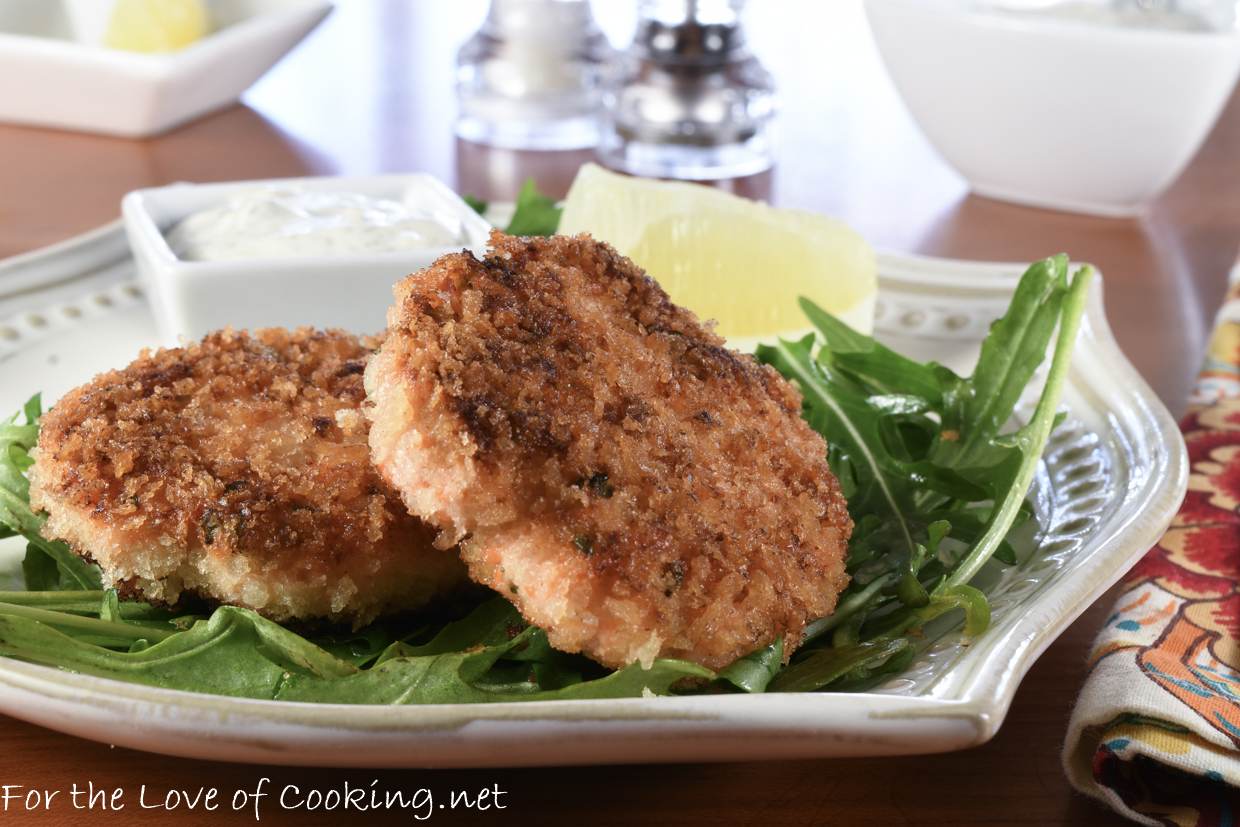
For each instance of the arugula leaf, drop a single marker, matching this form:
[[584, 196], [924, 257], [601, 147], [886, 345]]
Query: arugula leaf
[[536, 662], [238, 653], [39, 570], [86, 603], [110, 607], [536, 214], [102, 631], [234, 653], [935, 487], [1014, 348], [16, 442], [754, 672], [850, 427], [1031, 439], [972, 601], [857, 600], [363, 647], [475, 203], [884, 370], [75, 573], [825, 666], [457, 677], [494, 622]]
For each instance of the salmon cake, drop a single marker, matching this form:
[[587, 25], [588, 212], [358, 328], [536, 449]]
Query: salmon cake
[[635, 488], [236, 470]]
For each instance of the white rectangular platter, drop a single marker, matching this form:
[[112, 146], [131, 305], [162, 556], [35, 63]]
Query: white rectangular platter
[[1113, 476]]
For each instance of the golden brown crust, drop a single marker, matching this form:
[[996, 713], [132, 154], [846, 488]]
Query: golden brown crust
[[245, 454], [590, 412]]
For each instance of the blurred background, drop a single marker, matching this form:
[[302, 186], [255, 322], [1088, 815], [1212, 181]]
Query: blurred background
[[886, 145], [837, 102], [373, 89]]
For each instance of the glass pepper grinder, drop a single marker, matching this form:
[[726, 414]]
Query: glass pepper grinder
[[530, 77], [688, 99]]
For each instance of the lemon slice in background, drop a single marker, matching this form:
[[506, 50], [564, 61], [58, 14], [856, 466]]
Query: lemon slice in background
[[156, 25], [740, 262]]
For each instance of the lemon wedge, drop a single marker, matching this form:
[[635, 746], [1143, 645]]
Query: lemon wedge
[[156, 25], [739, 262]]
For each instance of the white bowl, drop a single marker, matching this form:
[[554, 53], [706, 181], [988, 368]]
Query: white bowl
[[353, 292], [1055, 113], [49, 79]]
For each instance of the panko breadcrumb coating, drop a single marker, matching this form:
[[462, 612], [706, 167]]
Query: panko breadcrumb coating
[[634, 487], [237, 470]]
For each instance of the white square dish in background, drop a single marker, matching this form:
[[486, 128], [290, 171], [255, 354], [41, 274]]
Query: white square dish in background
[[350, 291], [48, 78]]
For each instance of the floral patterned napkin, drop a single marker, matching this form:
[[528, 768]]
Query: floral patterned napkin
[[1156, 731]]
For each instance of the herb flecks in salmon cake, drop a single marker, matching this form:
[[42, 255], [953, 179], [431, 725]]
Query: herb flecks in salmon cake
[[237, 470], [636, 488]]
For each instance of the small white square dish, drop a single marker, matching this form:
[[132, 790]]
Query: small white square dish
[[49, 78], [349, 290]]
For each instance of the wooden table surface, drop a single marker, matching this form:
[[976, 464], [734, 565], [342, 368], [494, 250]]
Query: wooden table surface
[[370, 91]]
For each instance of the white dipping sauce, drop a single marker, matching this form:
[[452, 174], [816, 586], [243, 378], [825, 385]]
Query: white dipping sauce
[[291, 222]]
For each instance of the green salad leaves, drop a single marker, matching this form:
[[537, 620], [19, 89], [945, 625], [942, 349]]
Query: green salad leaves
[[534, 213], [936, 484]]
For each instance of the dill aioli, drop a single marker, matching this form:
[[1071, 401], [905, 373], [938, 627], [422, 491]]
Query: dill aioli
[[292, 222]]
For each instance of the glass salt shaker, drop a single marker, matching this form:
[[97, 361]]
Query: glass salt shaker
[[530, 77], [688, 99]]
